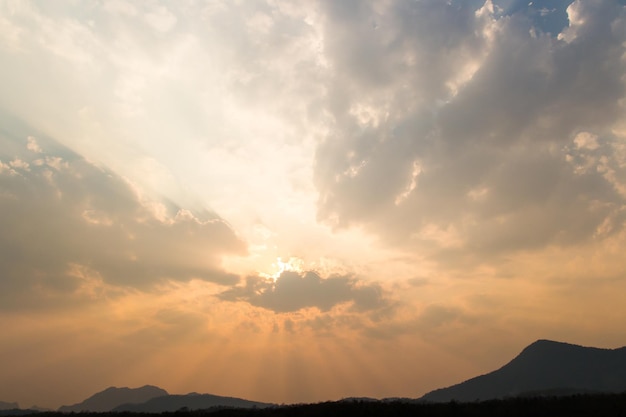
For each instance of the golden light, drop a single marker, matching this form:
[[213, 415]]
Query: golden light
[[293, 264]]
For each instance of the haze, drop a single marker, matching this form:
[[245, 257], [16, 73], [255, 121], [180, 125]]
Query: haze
[[303, 201]]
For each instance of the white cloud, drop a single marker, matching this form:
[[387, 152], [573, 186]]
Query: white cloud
[[586, 140], [6, 168], [19, 164], [33, 146]]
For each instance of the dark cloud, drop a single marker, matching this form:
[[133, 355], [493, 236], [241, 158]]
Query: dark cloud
[[458, 126], [293, 291], [67, 224]]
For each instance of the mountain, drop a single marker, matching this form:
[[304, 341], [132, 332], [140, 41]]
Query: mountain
[[41, 409], [8, 406], [191, 401], [545, 368], [112, 397]]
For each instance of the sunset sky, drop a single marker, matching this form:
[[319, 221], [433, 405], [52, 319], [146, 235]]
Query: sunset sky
[[298, 201]]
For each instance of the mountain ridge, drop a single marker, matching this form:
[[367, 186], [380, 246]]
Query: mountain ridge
[[112, 397], [191, 401], [544, 366]]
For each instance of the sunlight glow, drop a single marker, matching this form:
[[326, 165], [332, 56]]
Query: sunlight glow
[[294, 264]]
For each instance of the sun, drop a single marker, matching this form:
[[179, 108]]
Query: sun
[[294, 264]]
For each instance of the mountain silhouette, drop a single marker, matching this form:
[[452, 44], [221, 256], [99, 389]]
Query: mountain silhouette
[[191, 401], [8, 406], [112, 397], [545, 368]]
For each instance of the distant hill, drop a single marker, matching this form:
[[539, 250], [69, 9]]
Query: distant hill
[[191, 401], [8, 406], [545, 368], [112, 397], [598, 405]]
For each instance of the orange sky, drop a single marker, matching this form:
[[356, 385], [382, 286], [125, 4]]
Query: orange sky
[[303, 202]]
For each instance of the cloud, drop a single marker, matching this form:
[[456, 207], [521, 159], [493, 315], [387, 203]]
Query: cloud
[[33, 145], [69, 226], [469, 154], [293, 291], [434, 124], [176, 112], [463, 130]]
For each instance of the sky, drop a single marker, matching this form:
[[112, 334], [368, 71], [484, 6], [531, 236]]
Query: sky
[[300, 201]]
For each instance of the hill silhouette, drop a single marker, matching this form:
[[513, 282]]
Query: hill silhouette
[[8, 406], [112, 397], [191, 401], [597, 405], [545, 368]]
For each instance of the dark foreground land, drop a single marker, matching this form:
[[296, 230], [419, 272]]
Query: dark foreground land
[[613, 405], [596, 405]]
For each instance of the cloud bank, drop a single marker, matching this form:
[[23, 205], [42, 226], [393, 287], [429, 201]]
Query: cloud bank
[[469, 129], [69, 226]]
